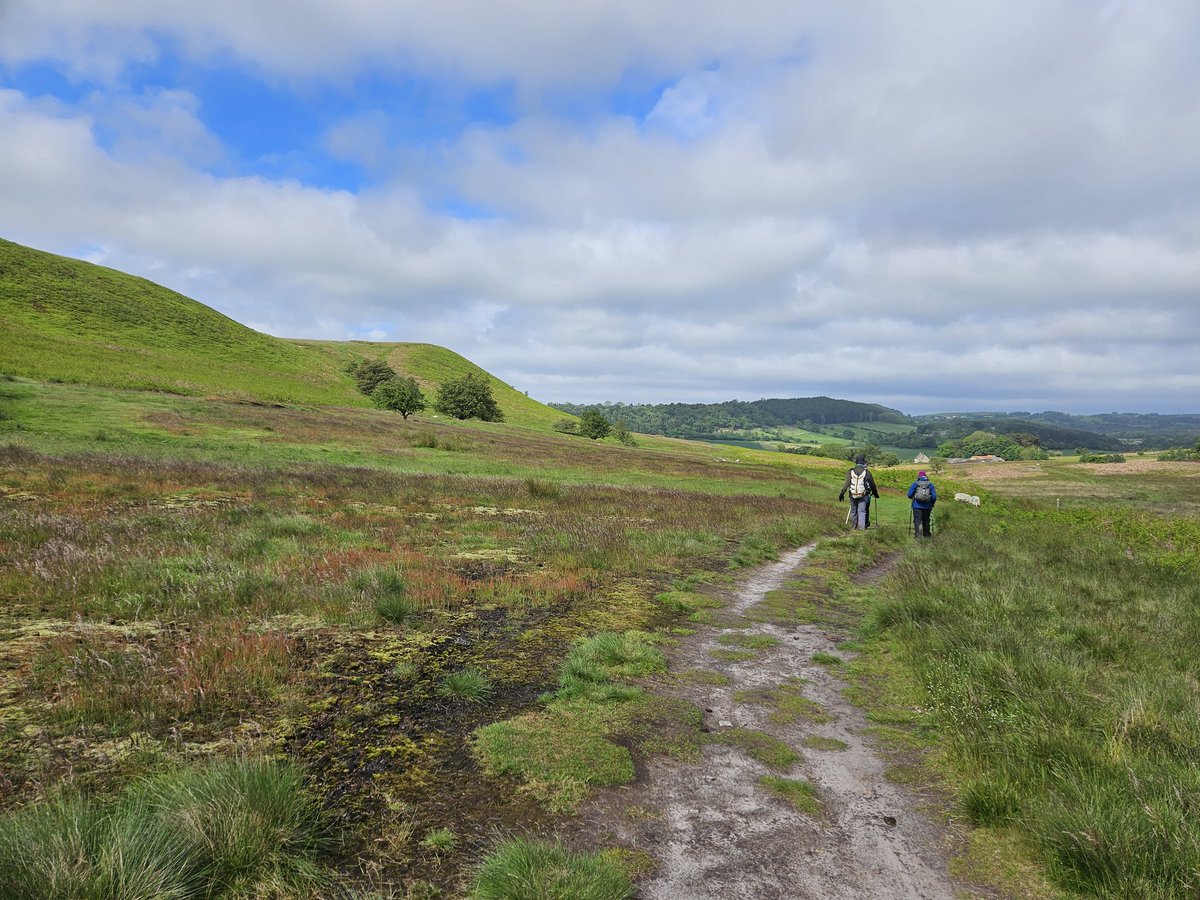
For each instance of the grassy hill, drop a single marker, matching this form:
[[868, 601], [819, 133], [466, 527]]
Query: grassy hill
[[70, 321]]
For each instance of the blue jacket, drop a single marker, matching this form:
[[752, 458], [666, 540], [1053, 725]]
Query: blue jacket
[[912, 489]]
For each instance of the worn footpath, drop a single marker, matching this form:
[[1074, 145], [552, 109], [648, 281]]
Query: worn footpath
[[717, 829]]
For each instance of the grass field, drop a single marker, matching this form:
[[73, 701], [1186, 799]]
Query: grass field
[[187, 580], [1049, 639]]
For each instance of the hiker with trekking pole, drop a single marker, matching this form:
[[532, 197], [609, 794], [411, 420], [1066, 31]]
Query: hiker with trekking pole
[[860, 485], [923, 495]]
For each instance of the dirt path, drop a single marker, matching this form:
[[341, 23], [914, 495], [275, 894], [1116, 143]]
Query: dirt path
[[717, 832]]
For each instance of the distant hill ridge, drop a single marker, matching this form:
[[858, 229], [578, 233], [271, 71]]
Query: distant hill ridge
[[66, 320]]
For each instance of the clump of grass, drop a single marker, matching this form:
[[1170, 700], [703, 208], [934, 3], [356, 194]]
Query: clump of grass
[[430, 441], [468, 684], [594, 664], [237, 828], [522, 869], [754, 551], [385, 589], [542, 489], [405, 669], [795, 791], [561, 751], [826, 659], [558, 753], [990, 801], [440, 840]]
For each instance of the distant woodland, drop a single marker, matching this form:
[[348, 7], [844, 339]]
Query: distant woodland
[[774, 419]]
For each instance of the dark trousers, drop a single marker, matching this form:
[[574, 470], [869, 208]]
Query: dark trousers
[[921, 522]]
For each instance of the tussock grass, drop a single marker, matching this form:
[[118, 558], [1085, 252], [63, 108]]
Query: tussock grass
[[522, 869], [235, 829], [595, 666], [468, 684], [440, 840]]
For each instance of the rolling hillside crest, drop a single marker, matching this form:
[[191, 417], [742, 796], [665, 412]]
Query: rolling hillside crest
[[67, 320]]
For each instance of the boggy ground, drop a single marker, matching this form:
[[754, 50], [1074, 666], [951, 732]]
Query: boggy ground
[[780, 724]]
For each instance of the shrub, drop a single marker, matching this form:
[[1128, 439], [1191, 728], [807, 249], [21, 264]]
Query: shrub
[[1180, 454], [469, 397]]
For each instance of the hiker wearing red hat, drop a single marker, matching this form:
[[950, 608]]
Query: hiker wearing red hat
[[923, 495]]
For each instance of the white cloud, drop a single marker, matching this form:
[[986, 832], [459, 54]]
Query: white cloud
[[981, 201]]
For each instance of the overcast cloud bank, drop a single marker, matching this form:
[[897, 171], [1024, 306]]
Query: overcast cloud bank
[[931, 206]]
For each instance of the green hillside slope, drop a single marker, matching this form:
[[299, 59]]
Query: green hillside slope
[[432, 366], [71, 321]]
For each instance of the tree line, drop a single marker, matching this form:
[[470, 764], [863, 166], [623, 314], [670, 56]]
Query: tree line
[[705, 420]]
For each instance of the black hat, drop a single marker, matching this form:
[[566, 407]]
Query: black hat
[[860, 460]]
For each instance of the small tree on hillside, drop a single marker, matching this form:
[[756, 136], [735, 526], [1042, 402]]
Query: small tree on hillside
[[469, 397], [402, 395], [369, 374], [622, 433], [592, 424]]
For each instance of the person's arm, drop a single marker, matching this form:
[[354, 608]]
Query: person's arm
[[871, 483], [932, 495], [912, 489], [845, 487]]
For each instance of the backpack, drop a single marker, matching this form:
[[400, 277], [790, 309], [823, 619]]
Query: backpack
[[858, 483], [923, 492]]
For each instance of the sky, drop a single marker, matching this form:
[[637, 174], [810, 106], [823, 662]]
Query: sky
[[939, 206]]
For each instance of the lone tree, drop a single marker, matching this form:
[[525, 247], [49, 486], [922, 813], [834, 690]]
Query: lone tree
[[402, 395], [469, 397], [592, 424], [621, 432], [369, 374]]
